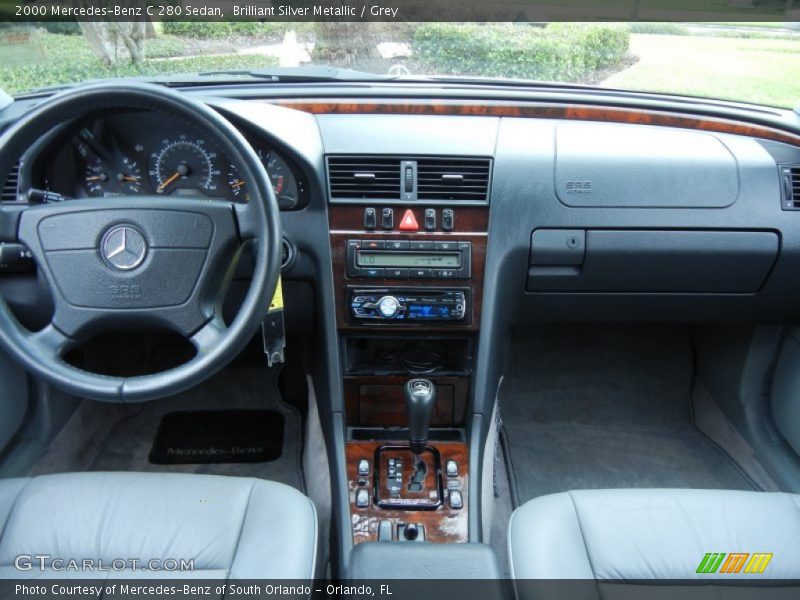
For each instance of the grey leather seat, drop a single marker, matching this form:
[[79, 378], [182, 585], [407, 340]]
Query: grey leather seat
[[231, 527], [646, 534]]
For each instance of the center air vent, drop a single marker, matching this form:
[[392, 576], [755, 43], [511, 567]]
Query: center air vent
[[442, 179], [9, 192], [453, 178], [361, 177], [790, 177]]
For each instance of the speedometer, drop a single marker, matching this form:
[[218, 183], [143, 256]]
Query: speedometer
[[183, 166]]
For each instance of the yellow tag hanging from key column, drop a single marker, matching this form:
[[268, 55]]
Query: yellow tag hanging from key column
[[273, 330], [277, 298]]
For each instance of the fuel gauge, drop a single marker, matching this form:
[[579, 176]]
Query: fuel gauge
[[101, 180]]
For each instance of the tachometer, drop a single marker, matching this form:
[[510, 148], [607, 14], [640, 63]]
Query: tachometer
[[183, 166]]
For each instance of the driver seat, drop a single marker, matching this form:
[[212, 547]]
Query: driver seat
[[231, 527]]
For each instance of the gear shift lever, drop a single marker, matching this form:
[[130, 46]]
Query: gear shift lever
[[420, 398]]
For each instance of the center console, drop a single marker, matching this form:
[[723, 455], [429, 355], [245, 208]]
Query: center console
[[425, 267], [409, 285]]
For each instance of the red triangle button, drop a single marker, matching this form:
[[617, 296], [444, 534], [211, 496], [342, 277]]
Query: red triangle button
[[409, 222]]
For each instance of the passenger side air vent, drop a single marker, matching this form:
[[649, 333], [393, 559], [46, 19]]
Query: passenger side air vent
[[453, 178], [790, 177], [10, 185], [364, 177]]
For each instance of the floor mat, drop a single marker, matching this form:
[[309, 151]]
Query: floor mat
[[218, 436], [108, 437], [587, 407]]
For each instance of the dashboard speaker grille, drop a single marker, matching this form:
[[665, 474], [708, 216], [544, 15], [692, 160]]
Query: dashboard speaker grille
[[363, 177], [10, 185], [453, 178]]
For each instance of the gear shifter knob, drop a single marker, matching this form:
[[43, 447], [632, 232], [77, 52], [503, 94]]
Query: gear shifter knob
[[420, 398]]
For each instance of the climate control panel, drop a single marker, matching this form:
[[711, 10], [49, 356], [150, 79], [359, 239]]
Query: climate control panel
[[409, 259], [408, 305]]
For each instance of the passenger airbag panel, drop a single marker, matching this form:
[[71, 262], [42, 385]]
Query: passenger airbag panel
[[660, 261], [631, 166]]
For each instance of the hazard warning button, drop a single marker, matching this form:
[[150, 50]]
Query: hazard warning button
[[409, 222]]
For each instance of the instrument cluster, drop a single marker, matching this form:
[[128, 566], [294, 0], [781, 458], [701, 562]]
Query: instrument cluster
[[141, 154]]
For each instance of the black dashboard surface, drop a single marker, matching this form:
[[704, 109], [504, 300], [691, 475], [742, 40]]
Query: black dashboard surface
[[728, 183]]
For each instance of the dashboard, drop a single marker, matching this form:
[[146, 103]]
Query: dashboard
[[147, 153], [589, 213]]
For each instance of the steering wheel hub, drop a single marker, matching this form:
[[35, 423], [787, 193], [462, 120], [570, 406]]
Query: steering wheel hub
[[123, 247]]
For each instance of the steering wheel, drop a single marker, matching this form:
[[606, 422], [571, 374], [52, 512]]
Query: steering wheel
[[137, 261]]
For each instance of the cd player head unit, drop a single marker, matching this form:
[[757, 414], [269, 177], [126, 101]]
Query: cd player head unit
[[404, 305]]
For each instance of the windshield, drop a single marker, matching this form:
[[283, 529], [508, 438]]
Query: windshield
[[749, 62]]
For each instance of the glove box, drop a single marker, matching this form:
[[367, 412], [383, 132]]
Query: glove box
[[650, 261]]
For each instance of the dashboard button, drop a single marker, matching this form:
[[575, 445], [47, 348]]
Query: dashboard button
[[450, 246], [371, 272], [413, 245], [409, 221], [451, 468], [372, 244], [397, 245], [446, 273], [370, 218], [421, 273], [397, 273], [387, 218], [448, 219], [430, 219]]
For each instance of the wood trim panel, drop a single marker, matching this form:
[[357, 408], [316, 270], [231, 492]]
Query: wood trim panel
[[349, 217], [443, 525], [391, 411], [578, 112], [346, 222]]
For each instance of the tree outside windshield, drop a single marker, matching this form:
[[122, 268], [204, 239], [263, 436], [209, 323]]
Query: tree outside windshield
[[754, 62]]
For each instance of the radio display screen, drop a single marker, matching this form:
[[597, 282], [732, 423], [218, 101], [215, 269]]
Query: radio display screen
[[427, 311], [444, 260]]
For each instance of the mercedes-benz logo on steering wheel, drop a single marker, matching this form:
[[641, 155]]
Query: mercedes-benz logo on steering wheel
[[123, 247]]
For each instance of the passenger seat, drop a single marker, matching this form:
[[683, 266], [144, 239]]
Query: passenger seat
[[647, 534]]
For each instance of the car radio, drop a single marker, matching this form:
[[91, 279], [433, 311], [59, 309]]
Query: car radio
[[405, 304], [409, 259]]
